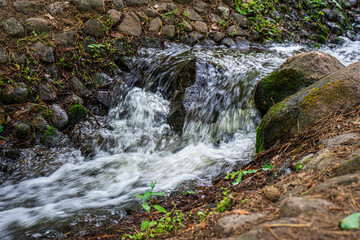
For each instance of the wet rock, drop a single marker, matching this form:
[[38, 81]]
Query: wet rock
[[136, 3], [217, 36], [14, 94], [94, 28], [201, 27], [168, 31], [56, 8], [3, 3], [215, 18], [104, 97], [337, 181], [235, 31], [335, 28], [240, 20], [228, 42], [150, 42], [47, 92], [88, 4], [229, 224], [22, 130], [194, 37], [3, 56], [224, 11], [150, 12], [351, 165], [329, 15], [44, 52], [25, 7], [155, 26], [66, 38], [340, 139], [36, 25], [13, 27], [295, 206], [131, 25], [119, 4], [192, 15], [52, 137], [79, 87], [40, 123], [208, 43], [295, 73], [59, 117], [242, 43], [101, 80], [201, 8], [114, 15]]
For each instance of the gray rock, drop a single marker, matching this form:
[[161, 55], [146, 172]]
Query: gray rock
[[25, 7], [168, 31], [229, 224], [295, 206], [22, 130], [47, 92], [52, 137], [3, 3], [56, 8], [235, 31], [335, 28], [37, 25], [136, 3], [118, 4], [150, 42], [187, 26], [224, 11], [201, 27], [337, 181], [66, 38], [329, 14], [88, 4], [14, 94], [215, 18], [101, 80], [155, 26], [192, 15], [3, 56], [131, 25], [104, 97], [40, 123], [18, 58], [150, 12], [217, 36], [201, 8], [208, 43], [44, 52], [59, 117], [351, 165], [94, 28], [13, 27], [172, 7], [114, 15], [228, 42], [340, 139], [242, 43], [195, 37], [79, 87], [240, 20], [54, 72]]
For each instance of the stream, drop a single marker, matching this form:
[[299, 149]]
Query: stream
[[54, 190]]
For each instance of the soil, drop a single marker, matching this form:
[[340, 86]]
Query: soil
[[253, 193]]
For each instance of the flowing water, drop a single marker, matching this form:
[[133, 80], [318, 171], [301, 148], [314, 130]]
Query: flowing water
[[55, 189]]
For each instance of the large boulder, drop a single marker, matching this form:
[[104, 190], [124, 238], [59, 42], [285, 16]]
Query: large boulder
[[88, 4], [341, 89], [295, 73], [131, 25]]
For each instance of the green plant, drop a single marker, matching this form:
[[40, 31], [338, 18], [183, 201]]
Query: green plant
[[242, 173], [225, 203], [201, 215]]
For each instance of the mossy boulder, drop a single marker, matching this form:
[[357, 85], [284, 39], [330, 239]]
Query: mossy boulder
[[51, 137], [77, 112], [340, 90], [13, 94], [295, 73]]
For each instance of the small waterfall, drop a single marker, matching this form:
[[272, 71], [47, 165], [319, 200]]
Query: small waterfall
[[54, 189]]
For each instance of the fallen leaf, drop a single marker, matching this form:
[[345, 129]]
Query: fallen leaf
[[214, 27], [240, 212], [351, 222]]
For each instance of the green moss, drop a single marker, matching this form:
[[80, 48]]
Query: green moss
[[50, 131], [77, 112], [259, 144]]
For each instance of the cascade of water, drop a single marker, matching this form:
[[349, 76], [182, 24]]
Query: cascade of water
[[138, 146]]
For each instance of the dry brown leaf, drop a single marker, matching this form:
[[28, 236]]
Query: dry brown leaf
[[240, 212]]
